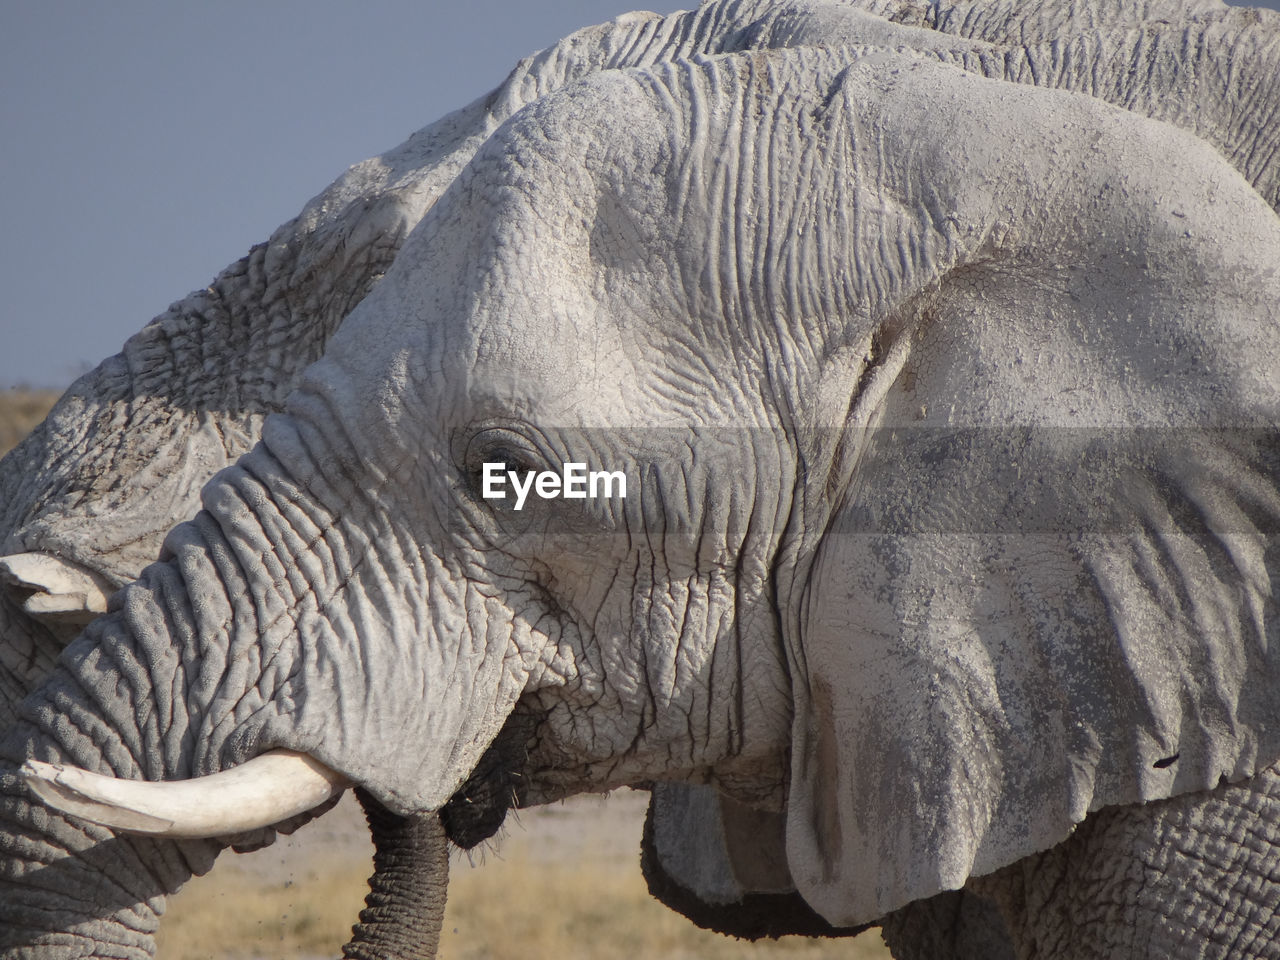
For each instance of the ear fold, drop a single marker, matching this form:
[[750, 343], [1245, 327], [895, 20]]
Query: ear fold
[[723, 865], [1049, 580], [1006, 630]]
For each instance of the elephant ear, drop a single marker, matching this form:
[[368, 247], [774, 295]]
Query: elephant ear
[[1043, 547], [724, 866]]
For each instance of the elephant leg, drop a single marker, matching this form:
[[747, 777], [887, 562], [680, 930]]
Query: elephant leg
[[404, 909], [1194, 876], [956, 925]]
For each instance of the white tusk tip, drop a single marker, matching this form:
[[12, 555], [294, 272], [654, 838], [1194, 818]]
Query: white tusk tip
[[270, 788], [50, 588], [71, 790]]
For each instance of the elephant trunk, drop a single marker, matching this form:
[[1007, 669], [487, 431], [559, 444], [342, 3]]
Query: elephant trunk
[[404, 909], [168, 684], [204, 664], [28, 653], [178, 679]]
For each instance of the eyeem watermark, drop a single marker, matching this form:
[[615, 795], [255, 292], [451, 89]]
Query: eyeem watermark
[[574, 482]]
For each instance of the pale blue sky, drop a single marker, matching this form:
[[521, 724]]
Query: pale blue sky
[[146, 145]]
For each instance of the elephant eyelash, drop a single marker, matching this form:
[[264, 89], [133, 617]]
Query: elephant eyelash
[[502, 446], [510, 463]]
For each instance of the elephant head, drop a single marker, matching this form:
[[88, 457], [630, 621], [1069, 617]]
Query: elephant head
[[795, 299], [86, 500]]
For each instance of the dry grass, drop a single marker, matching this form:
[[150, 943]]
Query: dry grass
[[531, 900], [20, 411], [513, 910], [234, 916], [521, 909]]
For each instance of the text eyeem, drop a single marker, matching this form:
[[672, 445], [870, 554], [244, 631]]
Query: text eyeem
[[574, 482]]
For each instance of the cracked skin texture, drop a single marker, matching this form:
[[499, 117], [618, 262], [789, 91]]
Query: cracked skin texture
[[611, 720]]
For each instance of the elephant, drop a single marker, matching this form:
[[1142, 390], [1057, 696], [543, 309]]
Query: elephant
[[835, 389], [83, 513]]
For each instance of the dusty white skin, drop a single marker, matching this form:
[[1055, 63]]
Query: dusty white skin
[[932, 253], [572, 482]]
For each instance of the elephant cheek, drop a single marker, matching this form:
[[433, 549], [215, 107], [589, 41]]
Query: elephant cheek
[[404, 698]]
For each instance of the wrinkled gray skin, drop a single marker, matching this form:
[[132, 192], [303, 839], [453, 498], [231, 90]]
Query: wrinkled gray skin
[[385, 481]]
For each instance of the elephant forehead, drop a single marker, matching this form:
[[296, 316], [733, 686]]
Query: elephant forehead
[[568, 283], [545, 359]]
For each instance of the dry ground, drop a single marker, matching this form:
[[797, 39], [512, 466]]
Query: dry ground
[[562, 883], [20, 410]]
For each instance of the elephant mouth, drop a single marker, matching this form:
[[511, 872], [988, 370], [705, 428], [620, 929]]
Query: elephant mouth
[[478, 808], [266, 790]]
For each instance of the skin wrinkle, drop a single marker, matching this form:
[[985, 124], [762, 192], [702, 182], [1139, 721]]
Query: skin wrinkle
[[654, 575], [174, 344], [1171, 555], [778, 510], [273, 624], [1197, 861], [734, 205], [248, 268], [139, 866], [118, 884], [1129, 78], [140, 916]]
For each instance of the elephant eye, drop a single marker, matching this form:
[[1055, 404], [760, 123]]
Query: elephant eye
[[511, 462], [505, 447]]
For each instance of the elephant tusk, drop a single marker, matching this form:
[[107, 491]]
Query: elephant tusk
[[50, 588], [271, 787]]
